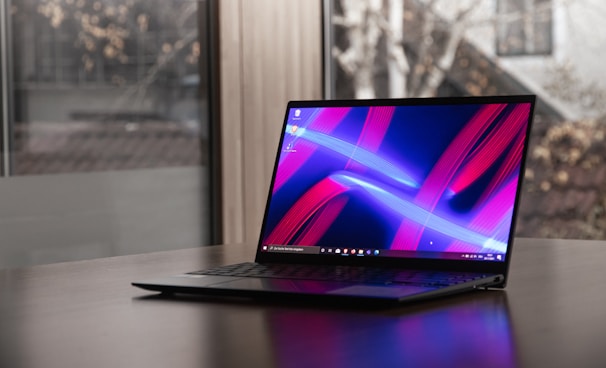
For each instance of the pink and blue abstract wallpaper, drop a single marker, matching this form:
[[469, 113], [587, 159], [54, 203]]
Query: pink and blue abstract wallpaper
[[434, 179]]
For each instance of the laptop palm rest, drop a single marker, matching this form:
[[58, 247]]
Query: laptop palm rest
[[321, 287]]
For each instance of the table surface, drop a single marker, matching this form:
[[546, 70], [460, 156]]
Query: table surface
[[86, 314]]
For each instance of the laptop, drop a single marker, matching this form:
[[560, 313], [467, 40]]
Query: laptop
[[387, 200]]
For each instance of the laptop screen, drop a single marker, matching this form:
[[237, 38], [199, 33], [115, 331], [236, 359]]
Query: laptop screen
[[417, 178]]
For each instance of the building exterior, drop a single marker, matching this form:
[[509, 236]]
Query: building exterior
[[550, 46]]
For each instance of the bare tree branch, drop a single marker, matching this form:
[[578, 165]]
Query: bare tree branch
[[444, 63]]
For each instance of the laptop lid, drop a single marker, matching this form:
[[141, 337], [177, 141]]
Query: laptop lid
[[423, 183]]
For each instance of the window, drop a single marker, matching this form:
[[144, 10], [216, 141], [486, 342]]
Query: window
[[418, 48], [524, 27], [106, 110], [107, 85]]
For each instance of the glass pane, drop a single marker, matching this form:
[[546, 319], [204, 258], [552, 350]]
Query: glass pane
[[510, 35], [524, 27], [94, 92], [412, 48], [108, 85]]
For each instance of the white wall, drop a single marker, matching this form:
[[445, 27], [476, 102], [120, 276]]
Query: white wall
[[578, 41]]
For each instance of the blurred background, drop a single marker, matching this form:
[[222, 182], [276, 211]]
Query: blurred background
[[420, 48], [100, 85], [132, 126]]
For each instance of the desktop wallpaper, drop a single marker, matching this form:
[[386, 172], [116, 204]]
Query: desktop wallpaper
[[435, 178]]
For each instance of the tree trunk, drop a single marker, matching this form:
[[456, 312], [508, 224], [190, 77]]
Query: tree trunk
[[397, 65]]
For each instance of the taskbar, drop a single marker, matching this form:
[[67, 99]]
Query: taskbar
[[373, 252]]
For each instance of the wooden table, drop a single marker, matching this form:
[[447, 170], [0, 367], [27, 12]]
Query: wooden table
[[86, 314]]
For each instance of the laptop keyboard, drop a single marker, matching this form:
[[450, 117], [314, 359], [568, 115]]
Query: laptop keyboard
[[342, 273]]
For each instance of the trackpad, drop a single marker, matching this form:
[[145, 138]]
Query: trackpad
[[280, 285], [381, 291]]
